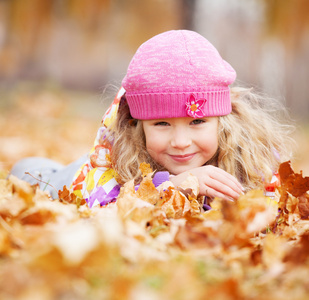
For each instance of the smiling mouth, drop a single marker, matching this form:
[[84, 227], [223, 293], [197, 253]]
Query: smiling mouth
[[182, 158]]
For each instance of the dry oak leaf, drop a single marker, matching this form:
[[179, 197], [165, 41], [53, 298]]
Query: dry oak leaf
[[294, 193], [189, 237], [236, 222], [16, 196], [23, 189], [172, 203], [128, 201], [190, 186], [299, 254], [303, 206], [48, 211], [181, 201], [257, 210], [147, 190], [176, 205], [12, 206], [294, 183], [145, 169], [252, 212], [68, 197]]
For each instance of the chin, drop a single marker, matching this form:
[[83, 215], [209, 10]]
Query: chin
[[179, 170]]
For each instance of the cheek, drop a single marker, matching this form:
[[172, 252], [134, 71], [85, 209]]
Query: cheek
[[211, 143], [153, 145], [214, 136], [152, 142], [214, 141]]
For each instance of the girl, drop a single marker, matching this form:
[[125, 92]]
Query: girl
[[176, 111]]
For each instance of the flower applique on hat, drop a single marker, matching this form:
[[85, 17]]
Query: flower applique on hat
[[195, 107]]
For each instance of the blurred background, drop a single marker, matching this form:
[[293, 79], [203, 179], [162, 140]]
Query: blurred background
[[61, 62]]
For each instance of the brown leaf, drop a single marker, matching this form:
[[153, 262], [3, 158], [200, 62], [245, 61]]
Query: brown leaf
[[190, 186], [128, 201], [23, 189], [147, 191], [68, 197], [195, 237], [300, 253], [38, 217], [229, 211], [176, 205], [294, 183], [303, 206], [256, 257], [12, 206]]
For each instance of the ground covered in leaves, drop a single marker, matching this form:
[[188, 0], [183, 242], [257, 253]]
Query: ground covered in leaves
[[155, 244], [150, 244]]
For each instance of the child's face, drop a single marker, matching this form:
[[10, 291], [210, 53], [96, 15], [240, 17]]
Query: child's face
[[181, 144]]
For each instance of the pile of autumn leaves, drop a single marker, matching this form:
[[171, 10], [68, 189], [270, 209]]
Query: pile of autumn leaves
[[155, 244]]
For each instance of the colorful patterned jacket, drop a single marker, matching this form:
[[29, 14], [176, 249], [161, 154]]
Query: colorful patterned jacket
[[96, 182]]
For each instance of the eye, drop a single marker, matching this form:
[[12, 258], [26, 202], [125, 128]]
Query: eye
[[161, 123], [198, 121]]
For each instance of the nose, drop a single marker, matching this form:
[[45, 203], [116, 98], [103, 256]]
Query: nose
[[181, 138]]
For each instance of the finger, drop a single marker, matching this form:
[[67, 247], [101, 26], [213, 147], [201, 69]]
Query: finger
[[225, 192], [228, 176], [215, 189], [224, 185], [215, 194]]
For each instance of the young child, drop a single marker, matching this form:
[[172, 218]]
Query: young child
[[176, 111]]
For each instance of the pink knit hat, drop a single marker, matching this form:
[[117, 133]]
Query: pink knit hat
[[177, 74]]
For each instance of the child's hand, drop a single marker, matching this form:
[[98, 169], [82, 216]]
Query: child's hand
[[214, 182]]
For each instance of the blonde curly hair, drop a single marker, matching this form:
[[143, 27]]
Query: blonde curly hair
[[252, 140]]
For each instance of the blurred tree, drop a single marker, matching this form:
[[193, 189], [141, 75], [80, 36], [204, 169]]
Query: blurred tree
[[89, 14], [187, 9], [288, 21], [37, 35], [24, 23], [136, 21]]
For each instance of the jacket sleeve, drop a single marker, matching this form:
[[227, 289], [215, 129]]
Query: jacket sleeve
[[95, 181], [98, 186]]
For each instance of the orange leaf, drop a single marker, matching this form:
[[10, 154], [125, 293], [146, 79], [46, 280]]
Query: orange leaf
[[295, 184], [145, 168], [303, 206], [147, 191], [67, 197]]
